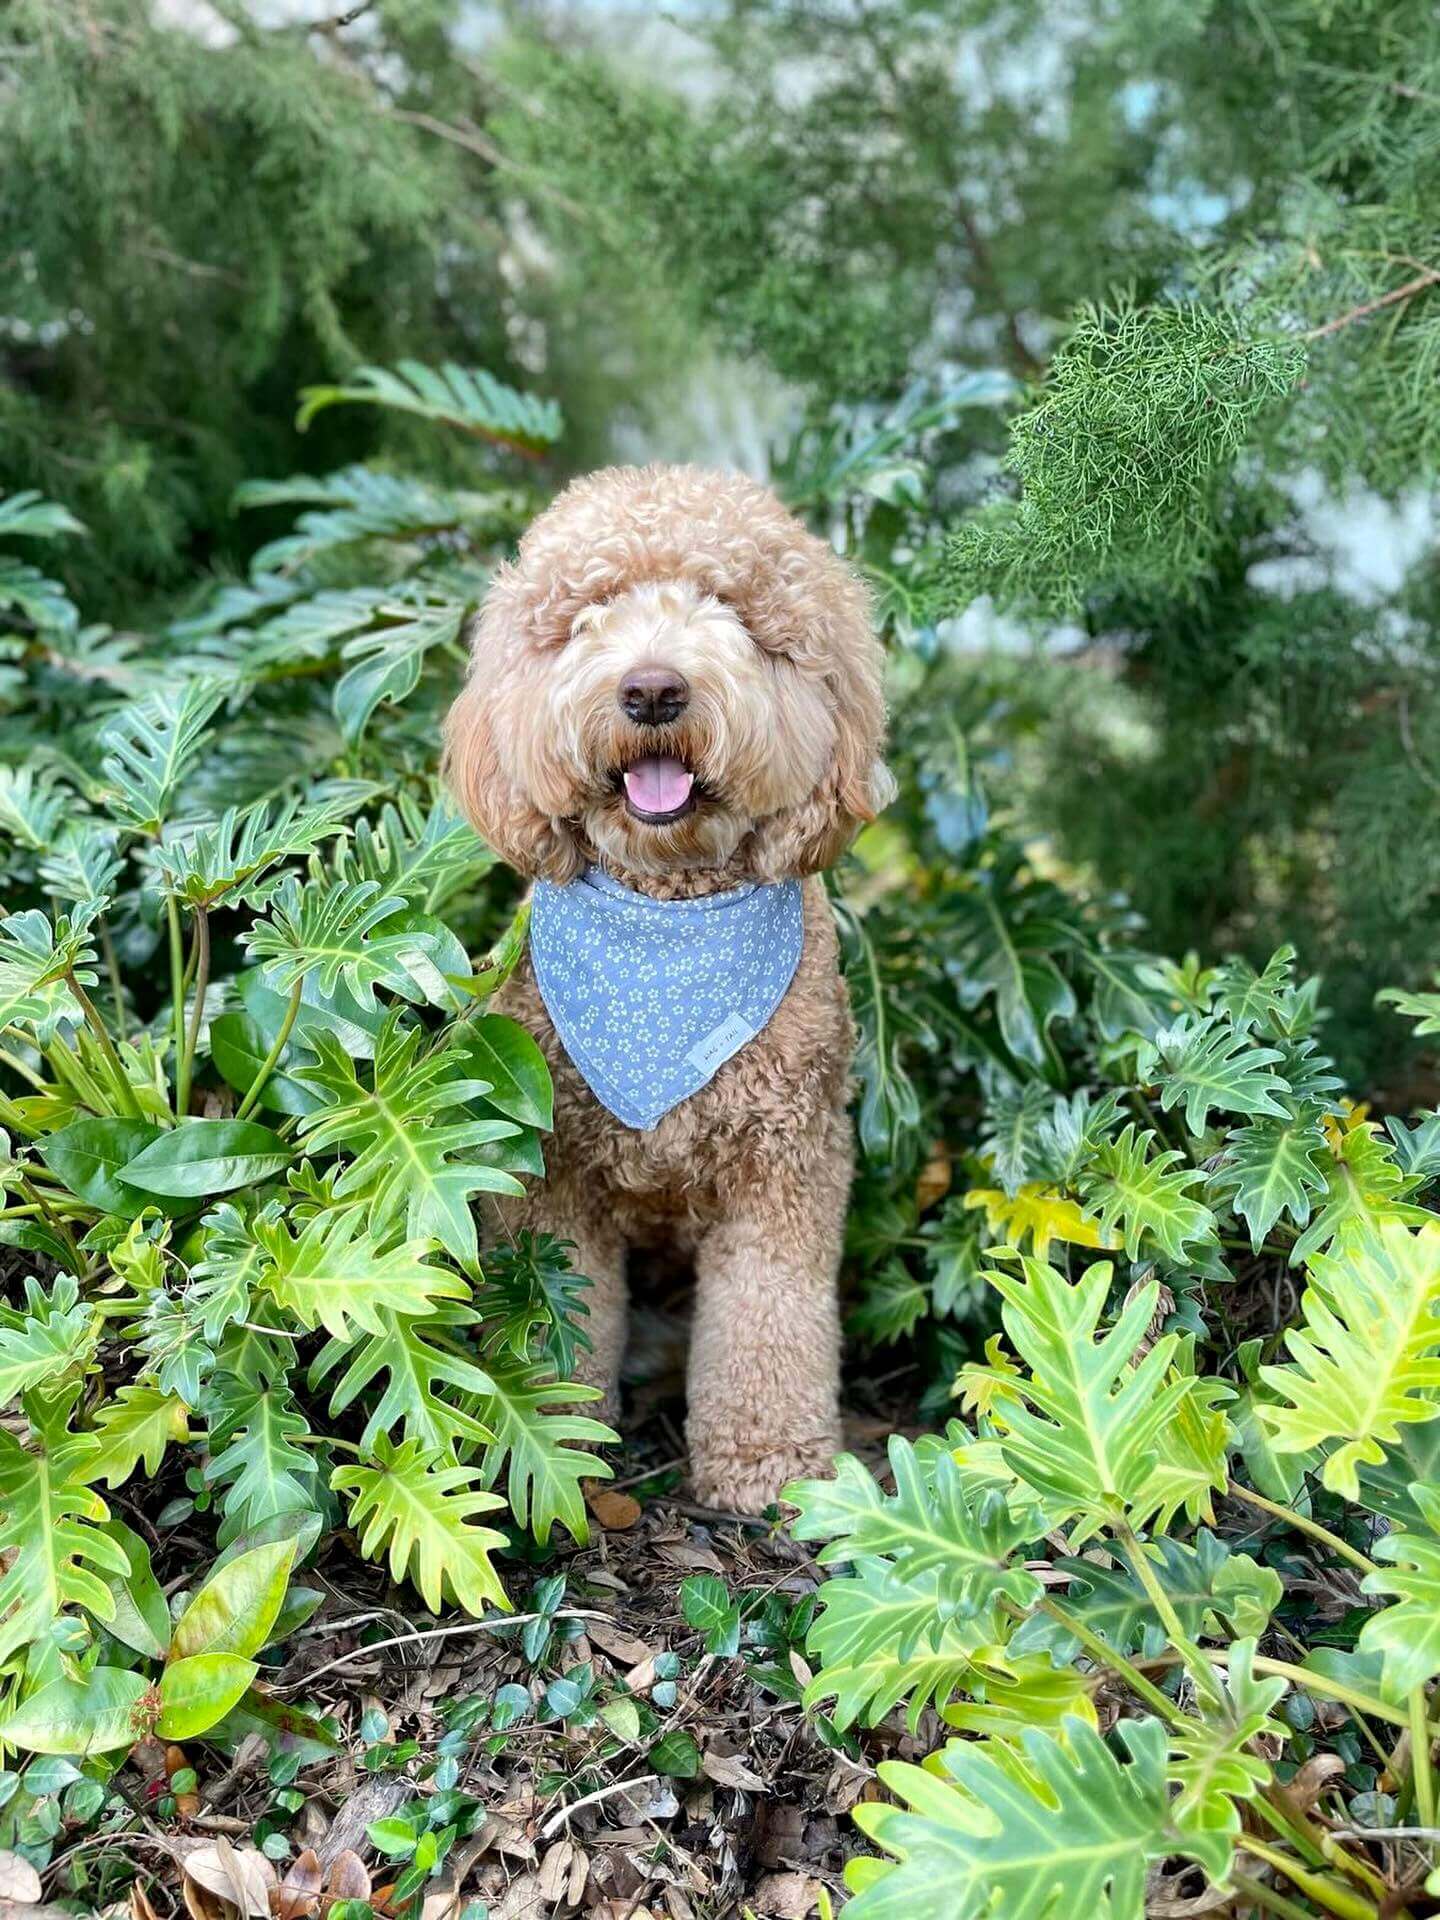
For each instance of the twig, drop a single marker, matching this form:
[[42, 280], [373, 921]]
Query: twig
[[1421, 281], [558, 1819], [339, 20], [488, 1625], [1385, 1833]]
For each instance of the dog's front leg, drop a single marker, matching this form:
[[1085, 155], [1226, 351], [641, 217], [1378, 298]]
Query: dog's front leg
[[765, 1352]]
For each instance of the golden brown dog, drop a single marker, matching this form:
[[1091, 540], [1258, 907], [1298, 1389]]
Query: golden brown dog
[[676, 682]]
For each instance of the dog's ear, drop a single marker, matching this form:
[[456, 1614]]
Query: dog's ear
[[857, 784], [523, 836]]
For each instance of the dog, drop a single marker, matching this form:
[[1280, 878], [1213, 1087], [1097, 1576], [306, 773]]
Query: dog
[[677, 686]]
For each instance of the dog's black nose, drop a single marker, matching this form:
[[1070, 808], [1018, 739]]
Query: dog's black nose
[[654, 696]]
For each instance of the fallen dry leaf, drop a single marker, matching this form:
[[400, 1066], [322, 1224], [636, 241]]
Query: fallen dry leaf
[[349, 1879], [618, 1644], [299, 1892], [243, 1876], [688, 1553], [933, 1181], [616, 1512], [786, 1896], [729, 1770], [18, 1879]]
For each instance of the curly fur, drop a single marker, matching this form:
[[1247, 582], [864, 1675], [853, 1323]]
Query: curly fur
[[708, 574]]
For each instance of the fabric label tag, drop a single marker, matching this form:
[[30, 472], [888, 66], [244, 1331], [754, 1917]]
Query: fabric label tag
[[720, 1043]]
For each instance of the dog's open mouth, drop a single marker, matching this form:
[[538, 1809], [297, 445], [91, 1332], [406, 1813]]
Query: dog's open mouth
[[658, 788]]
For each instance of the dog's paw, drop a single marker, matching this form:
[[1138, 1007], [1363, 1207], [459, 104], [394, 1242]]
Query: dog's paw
[[747, 1481]]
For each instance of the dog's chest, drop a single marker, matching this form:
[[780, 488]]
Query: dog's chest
[[762, 1103]]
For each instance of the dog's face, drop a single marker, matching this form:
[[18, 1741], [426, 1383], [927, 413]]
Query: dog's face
[[666, 732], [668, 723]]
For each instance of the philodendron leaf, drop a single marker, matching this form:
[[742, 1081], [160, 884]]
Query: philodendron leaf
[[1366, 1359], [96, 1715], [198, 1692], [201, 1157], [1407, 1634], [237, 1606]]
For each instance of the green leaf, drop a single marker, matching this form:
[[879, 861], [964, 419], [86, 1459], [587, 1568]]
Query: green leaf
[[418, 1362], [201, 1157], [879, 1639], [932, 1523], [329, 934], [1146, 1196], [383, 664], [235, 1609], [254, 1455], [409, 1159], [95, 1715], [464, 397], [51, 1526], [364, 504], [393, 1837], [339, 1276], [1006, 955], [1094, 1407], [676, 1754], [1407, 1634], [1216, 1763], [141, 1619], [203, 864], [424, 1509], [149, 747], [1064, 1826], [41, 601], [544, 1469], [88, 1155], [1207, 1064], [29, 513], [1366, 1358], [501, 1052], [1269, 1169], [55, 1335], [36, 954], [197, 1692], [138, 1424], [239, 1048]]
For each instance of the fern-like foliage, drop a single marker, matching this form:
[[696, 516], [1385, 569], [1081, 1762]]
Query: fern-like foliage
[[335, 1274], [468, 398], [422, 1512]]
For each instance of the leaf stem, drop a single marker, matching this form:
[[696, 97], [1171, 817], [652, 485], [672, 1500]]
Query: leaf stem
[[53, 1220], [197, 1010], [124, 1091], [18, 1066], [1198, 1667], [177, 991], [1327, 1893], [112, 967], [1420, 1770], [1304, 1525], [1257, 1892], [1312, 1683], [267, 1065], [1102, 1652]]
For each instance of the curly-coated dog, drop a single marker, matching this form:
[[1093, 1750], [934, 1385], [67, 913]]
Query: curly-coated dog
[[676, 687]]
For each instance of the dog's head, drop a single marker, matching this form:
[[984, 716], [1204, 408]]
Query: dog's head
[[672, 673]]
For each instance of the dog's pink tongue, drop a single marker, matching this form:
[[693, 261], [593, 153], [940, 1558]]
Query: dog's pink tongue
[[659, 783]]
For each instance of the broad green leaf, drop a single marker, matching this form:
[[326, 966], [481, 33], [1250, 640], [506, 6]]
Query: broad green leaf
[[49, 1338], [1366, 1358], [337, 1275], [1216, 1762], [201, 1157], [201, 865], [1364, 1188], [410, 1159], [329, 934], [1407, 1633], [1008, 955], [533, 1447], [140, 1619], [418, 1362], [502, 1053], [138, 1424], [1094, 1406], [1063, 1827], [423, 1510], [28, 512], [88, 1155], [254, 1454], [383, 663], [51, 1527], [879, 1639], [465, 397], [237, 1606], [931, 1523], [96, 1715], [239, 1048], [1207, 1065], [1021, 1693], [1145, 1196], [1269, 1169], [149, 747], [196, 1693]]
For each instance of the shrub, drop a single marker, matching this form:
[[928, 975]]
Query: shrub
[[253, 1091]]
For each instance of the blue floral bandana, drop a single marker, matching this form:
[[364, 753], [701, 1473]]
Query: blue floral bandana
[[650, 998]]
